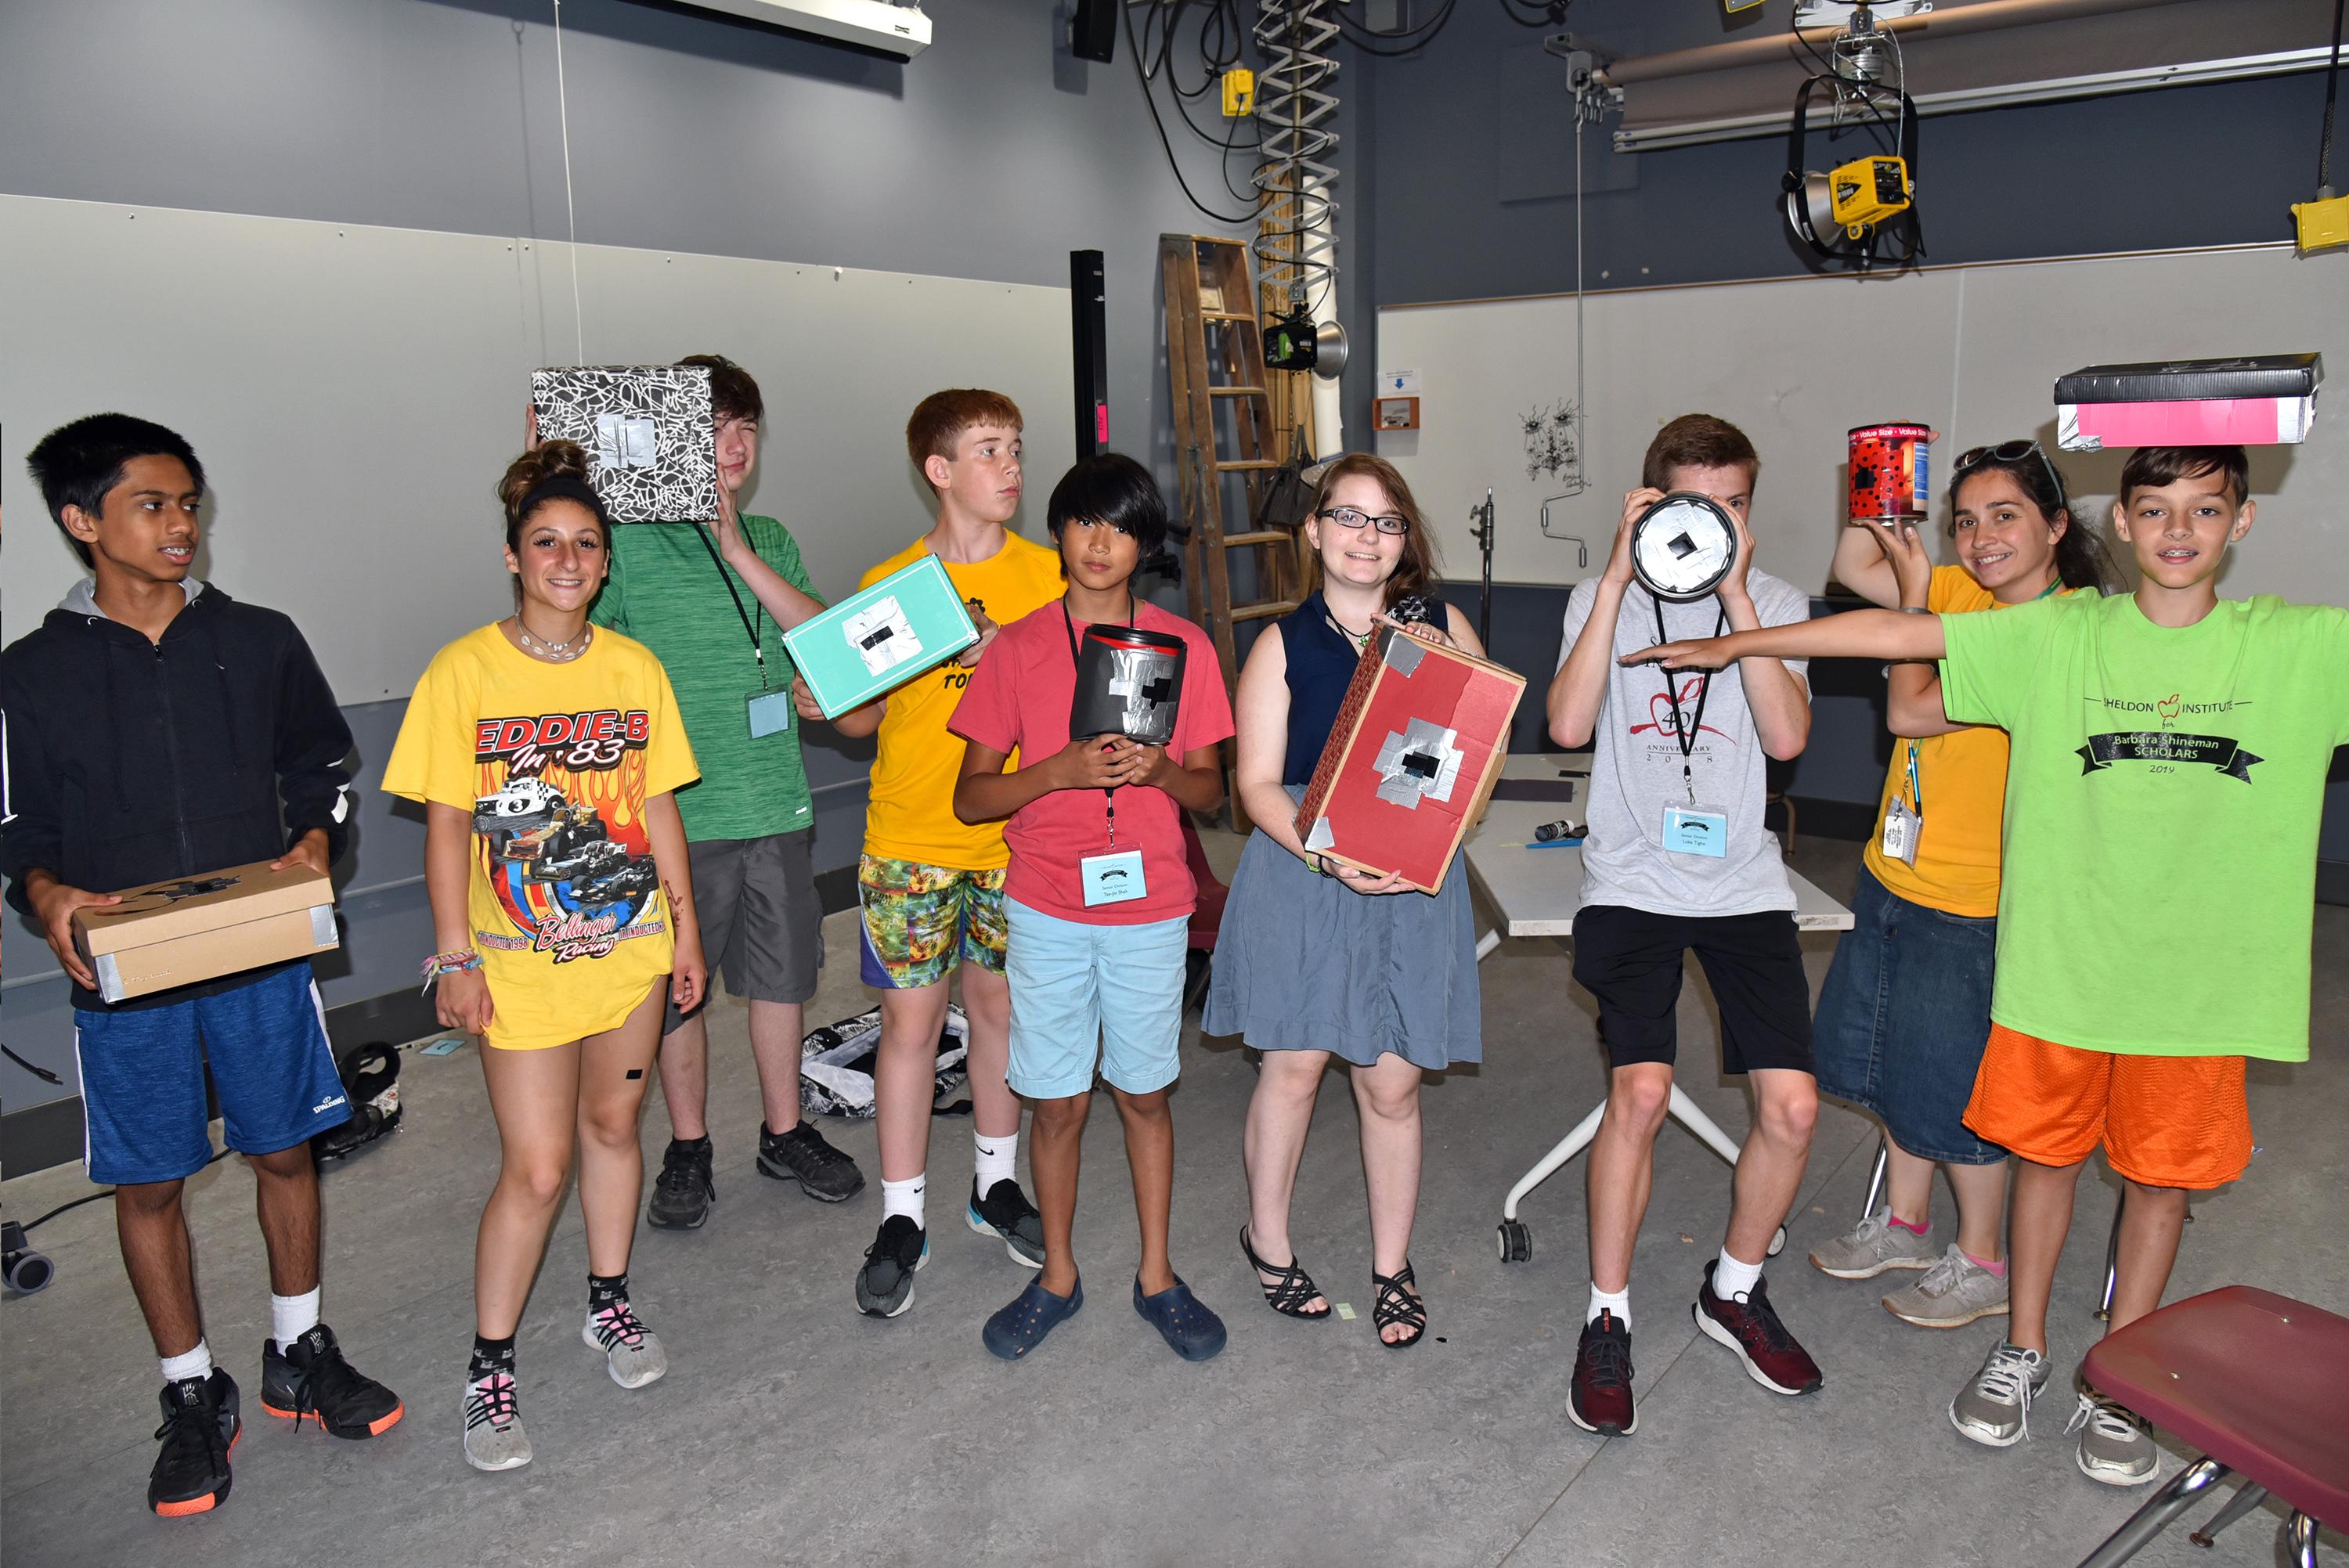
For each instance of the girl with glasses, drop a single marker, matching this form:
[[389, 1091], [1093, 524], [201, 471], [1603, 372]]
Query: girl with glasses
[[1904, 1015], [1316, 960]]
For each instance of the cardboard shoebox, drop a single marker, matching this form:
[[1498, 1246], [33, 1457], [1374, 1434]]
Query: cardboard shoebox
[[651, 438], [2259, 401], [881, 637], [1413, 758], [188, 928]]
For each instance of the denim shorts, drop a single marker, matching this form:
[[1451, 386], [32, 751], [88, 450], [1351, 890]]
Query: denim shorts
[[1076, 989], [1903, 1020]]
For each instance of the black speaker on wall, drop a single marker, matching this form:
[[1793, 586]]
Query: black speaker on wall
[[1089, 332], [1093, 29]]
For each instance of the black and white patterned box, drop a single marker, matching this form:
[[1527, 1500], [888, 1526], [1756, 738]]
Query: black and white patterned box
[[648, 432]]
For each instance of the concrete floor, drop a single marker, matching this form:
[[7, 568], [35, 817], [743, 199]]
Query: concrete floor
[[791, 1430]]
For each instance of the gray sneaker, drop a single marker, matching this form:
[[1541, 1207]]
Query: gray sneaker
[[2115, 1449], [495, 1439], [635, 1356], [1994, 1406], [1871, 1247], [1954, 1293]]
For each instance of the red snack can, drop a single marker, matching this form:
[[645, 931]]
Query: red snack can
[[1889, 482]]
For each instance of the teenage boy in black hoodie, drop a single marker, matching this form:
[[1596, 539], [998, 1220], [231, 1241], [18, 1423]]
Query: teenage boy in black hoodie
[[159, 728]]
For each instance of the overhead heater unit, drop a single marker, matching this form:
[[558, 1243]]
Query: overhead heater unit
[[900, 30]]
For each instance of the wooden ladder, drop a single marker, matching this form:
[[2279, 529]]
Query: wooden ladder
[[1214, 365]]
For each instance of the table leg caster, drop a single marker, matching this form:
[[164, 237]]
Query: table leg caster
[[1516, 1241]]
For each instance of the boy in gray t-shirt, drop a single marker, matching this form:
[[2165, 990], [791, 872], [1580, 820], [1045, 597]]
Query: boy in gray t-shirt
[[1678, 861]]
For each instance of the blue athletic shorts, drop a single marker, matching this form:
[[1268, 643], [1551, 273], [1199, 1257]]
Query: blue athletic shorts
[[142, 1077], [1078, 991]]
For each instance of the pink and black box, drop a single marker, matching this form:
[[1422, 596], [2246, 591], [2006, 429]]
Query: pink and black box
[[2261, 400]]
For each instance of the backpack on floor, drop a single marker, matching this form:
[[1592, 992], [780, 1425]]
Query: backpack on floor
[[836, 1066], [370, 1074]]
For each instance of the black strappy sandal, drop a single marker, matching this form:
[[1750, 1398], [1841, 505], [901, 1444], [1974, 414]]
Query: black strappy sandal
[[1291, 1291], [1397, 1303]]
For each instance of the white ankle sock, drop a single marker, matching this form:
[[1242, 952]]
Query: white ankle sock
[[196, 1363], [994, 1160], [905, 1198], [291, 1316], [1731, 1279], [1618, 1301]]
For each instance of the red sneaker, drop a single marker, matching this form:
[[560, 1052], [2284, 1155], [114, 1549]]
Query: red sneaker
[[1751, 1327], [1599, 1398]]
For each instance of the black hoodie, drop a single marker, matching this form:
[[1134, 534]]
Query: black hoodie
[[131, 761]]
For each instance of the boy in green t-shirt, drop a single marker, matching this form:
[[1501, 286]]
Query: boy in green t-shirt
[[712, 602], [2168, 762]]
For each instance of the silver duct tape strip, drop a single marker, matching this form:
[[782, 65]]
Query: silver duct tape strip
[[1401, 653], [882, 634], [1421, 761], [321, 925], [1321, 838], [109, 977], [1133, 674]]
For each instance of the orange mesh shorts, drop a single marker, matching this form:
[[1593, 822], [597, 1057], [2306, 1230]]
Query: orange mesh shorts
[[2164, 1122]]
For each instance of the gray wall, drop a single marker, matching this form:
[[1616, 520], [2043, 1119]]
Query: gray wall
[[991, 156]]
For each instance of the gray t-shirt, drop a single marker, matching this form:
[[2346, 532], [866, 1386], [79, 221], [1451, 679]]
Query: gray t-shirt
[[1635, 771]]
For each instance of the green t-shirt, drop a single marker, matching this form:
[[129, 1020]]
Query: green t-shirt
[[665, 591], [2162, 805]]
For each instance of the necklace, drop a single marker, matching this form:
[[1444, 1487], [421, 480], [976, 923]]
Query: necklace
[[1359, 639], [549, 649]]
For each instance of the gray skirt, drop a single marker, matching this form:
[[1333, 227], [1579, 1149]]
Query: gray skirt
[[1304, 963]]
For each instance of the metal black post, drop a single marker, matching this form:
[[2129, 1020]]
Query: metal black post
[[1480, 524]]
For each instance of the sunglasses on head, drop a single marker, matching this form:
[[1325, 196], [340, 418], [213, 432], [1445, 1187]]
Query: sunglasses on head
[[2007, 452]]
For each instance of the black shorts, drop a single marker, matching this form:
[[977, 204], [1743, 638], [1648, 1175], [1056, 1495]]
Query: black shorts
[[1630, 961]]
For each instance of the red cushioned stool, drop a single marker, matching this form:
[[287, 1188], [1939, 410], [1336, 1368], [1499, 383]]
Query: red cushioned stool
[[2256, 1383]]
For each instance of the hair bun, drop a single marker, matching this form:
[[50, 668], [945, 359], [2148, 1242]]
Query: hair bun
[[548, 459]]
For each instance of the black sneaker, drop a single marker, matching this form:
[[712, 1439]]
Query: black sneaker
[[1600, 1397], [801, 1155], [310, 1378], [684, 1188], [885, 1285], [199, 1431], [1006, 1211]]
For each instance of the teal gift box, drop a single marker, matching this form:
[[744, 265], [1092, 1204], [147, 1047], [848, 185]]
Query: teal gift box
[[881, 637]]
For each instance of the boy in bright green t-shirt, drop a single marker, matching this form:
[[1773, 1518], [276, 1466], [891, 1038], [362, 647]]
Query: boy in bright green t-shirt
[[713, 600], [2168, 762]]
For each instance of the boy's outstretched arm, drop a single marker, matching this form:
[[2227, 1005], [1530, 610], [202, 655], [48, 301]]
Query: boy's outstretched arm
[[1854, 634]]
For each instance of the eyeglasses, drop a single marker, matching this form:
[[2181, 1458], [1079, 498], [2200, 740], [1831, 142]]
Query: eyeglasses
[[1351, 517], [2006, 452]]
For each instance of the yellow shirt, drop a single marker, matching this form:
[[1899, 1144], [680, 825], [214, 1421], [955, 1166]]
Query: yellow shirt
[[1962, 776], [556, 764], [911, 817]]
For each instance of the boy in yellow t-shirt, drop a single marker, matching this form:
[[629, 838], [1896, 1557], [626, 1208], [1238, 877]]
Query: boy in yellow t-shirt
[[931, 886]]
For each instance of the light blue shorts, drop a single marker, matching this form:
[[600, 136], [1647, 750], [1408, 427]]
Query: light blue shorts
[[1081, 992]]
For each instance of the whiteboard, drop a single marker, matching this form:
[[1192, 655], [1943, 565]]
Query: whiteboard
[[1973, 351], [354, 392]]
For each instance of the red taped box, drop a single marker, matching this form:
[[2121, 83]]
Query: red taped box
[[1412, 759]]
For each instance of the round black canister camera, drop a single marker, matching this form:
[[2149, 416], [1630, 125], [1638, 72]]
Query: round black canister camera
[[1684, 546]]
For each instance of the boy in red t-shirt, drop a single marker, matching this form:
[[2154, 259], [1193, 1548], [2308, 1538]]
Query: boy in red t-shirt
[[1098, 898]]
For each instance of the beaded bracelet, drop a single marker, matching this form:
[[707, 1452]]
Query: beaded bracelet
[[464, 961]]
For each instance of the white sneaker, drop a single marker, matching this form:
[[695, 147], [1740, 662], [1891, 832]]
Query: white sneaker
[[636, 1357], [1871, 1247], [1952, 1294], [495, 1439], [1994, 1406], [2115, 1449]]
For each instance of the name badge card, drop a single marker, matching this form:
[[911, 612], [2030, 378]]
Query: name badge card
[[771, 713], [1902, 830], [1112, 878], [1693, 831]]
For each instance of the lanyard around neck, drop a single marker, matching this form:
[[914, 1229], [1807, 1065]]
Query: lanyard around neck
[[1069, 624], [1685, 727], [750, 625]]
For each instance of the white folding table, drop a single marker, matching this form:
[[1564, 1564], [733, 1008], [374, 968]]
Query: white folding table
[[1534, 892]]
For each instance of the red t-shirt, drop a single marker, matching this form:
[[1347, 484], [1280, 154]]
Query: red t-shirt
[[1019, 699]]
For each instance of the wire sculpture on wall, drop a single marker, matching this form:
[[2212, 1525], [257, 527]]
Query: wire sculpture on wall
[[1553, 433]]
